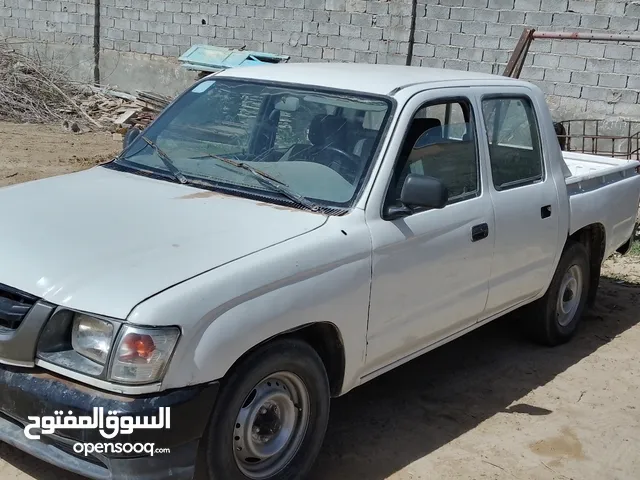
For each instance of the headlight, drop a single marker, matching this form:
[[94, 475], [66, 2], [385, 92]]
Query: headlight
[[107, 349], [142, 354], [92, 337]]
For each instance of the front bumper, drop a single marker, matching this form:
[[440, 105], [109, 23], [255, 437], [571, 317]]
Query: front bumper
[[28, 392]]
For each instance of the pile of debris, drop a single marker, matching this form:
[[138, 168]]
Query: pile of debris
[[33, 90], [122, 110]]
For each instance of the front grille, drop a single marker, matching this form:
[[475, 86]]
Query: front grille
[[14, 306]]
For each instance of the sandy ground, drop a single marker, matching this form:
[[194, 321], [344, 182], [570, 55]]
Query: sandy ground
[[488, 406]]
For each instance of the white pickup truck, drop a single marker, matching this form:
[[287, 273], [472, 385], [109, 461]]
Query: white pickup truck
[[278, 236]]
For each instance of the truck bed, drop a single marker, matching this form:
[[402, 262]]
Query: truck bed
[[585, 167], [606, 191]]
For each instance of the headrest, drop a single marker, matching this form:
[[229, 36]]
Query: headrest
[[328, 129], [417, 127]]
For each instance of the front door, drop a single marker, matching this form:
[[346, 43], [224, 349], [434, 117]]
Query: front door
[[431, 269]]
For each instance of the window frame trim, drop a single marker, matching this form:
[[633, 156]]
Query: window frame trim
[[474, 122], [543, 169]]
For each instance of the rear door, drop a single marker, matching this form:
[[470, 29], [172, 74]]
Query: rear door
[[524, 196]]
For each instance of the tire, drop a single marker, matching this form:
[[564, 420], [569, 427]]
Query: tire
[[286, 372], [554, 318]]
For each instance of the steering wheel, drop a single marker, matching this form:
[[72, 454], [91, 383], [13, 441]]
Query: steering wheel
[[353, 162]]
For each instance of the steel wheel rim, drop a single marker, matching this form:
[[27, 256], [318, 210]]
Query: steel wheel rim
[[271, 425], [569, 295]]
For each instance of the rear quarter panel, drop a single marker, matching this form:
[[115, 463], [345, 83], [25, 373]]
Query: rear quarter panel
[[614, 205]]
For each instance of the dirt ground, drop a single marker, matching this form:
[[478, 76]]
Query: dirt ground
[[490, 405]]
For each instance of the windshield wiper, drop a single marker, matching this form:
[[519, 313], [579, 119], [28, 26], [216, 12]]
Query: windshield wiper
[[167, 161], [273, 182]]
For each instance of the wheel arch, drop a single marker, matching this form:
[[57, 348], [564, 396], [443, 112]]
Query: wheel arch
[[326, 339], [593, 237]]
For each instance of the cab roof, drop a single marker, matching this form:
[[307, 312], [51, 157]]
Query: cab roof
[[361, 77]]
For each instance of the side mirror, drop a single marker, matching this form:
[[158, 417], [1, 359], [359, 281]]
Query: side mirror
[[129, 137], [419, 191], [422, 191]]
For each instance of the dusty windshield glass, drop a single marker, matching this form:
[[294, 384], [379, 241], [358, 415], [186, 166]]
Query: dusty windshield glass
[[318, 144]]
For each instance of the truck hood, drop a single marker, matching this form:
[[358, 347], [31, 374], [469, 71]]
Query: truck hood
[[102, 241]]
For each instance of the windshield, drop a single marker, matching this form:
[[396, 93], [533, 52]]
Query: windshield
[[317, 144]]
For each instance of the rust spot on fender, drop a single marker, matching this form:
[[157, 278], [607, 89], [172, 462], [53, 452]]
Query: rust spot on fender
[[206, 194]]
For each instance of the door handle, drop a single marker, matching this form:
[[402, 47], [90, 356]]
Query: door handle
[[478, 232], [545, 212]]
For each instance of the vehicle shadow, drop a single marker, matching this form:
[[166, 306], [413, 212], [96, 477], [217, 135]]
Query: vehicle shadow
[[388, 423]]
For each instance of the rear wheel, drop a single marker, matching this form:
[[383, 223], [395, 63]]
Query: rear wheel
[[271, 417], [554, 318]]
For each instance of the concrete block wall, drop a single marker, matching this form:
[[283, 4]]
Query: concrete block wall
[[581, 79]]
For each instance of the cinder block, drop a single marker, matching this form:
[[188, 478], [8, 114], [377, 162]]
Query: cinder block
[[532, 73], [139, 25], [189, 30], [486, 15], [439, 38], [170, 51], [281, 13], [377, 7], [582, 6], [573, 63], [584, 78], [594, 93], [565, 20], [462, 13], [261, 12], [567, 90], [304, 15], [449, 26], [447, 52], [370, 33], [340, 5], [350, 31], [627, 67], [487, 42], [424, 50], [456, 65], [513, 17], [610, 8], [476, 3], [345, 55], [527, 5], [365, 57], [539, 19], [547, 61], [147, 37], [156, 6], [122, 24], [131, 36], [172, 28], [618, 52], [557, 75], [594, 21], [474, 28], [164, 39], [438, 11], [358, 44], [114, 34], [183, 18], [472, 54], [460, 40]]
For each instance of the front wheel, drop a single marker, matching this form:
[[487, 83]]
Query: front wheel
[[271, 417], [554, 318]]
